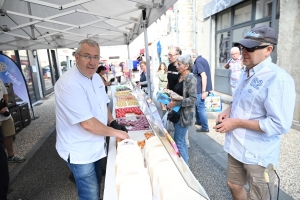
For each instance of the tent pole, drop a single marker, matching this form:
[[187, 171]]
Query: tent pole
[[130, 70], [147, 53]]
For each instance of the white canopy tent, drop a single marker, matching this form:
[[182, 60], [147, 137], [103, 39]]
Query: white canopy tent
[[51, 24], [40, 24]]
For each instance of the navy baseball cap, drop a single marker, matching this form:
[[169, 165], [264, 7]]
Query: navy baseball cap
[[258, 35]]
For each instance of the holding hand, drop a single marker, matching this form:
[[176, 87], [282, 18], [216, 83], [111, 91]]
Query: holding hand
[[114, 124]]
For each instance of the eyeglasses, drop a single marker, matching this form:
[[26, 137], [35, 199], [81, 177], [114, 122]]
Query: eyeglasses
[[253, 48], [88, 57], [170, 55]]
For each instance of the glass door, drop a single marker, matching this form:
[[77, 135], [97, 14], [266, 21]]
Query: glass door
[[27, 73], [45, 71]]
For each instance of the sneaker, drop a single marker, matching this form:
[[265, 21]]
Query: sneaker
[[202, 130], [15, 159]]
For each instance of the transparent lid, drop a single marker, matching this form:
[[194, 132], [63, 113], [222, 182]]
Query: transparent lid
[[149, 109]]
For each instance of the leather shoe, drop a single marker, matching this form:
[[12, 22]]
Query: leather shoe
[[202, 130]]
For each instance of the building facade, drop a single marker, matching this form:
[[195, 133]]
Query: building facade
[[223, 22]]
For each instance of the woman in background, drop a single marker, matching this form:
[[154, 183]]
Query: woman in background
[[101, 72], [186, 87], [163, 81]]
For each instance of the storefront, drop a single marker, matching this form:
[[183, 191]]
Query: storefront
[[231, 24], [39, 68], [25, 62]]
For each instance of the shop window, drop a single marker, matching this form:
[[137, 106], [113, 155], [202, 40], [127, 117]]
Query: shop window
[[242, 12], [11, 54], [66, 59], [223, 49], [264, 8], [46, 70], [278, 7], [238, 34], [224, 19]]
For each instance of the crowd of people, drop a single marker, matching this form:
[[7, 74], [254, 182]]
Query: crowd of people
[[254, 122]]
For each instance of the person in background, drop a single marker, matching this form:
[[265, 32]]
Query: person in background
[[8, 128], [113, 67], [119, 73], [201, 71], [4, 180], [185, 87], [143, 77], [83, 120], [172, 76], [106, 70], [163, 81], [258, 117], [101, 72], [236, 66], [126, 72]]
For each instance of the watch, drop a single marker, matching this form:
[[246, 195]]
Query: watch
[[203, 91]]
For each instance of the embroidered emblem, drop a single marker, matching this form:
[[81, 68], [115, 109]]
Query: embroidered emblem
[[256, 83], [252, 34]]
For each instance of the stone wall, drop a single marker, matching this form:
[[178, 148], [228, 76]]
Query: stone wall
[[204, 37], [288, 44]]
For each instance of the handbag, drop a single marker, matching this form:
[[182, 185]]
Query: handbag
[[173, 116], [213, 103]]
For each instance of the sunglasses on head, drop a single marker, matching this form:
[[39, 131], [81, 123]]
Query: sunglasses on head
[[253, 48]]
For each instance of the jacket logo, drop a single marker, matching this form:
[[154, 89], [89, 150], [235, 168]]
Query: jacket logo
[[256, 83]]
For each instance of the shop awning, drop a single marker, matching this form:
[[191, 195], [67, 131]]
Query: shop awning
[[48, 24]]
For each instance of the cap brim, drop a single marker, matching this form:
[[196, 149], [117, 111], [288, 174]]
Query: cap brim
[[247, 43]]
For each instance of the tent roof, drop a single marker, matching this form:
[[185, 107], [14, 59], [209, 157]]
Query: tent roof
[[48, 24]]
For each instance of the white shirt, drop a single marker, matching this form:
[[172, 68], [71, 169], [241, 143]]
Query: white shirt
[[3, 91], [79, 98]]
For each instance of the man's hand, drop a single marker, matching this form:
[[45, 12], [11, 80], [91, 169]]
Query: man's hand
[[114, 124], [221, 118], [226, 125]]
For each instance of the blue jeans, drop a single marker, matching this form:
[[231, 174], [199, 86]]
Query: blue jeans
[[88, 179], [179, 138], [201, 117]]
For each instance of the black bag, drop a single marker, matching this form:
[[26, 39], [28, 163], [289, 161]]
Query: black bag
[[173, 116]]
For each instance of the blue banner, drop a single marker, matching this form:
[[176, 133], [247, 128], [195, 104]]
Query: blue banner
[[10, 73]]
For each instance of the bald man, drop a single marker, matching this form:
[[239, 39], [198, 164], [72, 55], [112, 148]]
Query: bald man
[[235, 65]]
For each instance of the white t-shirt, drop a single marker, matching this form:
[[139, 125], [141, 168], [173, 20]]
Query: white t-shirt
[[79, 98], [3, 91]]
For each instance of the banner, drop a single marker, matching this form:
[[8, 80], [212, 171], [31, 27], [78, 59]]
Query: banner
[[10, 73]]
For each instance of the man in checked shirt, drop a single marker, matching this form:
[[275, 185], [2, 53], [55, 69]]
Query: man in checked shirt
[[261, 111]]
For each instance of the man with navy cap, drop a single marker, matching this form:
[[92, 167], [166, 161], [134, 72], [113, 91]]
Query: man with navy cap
[[261, 112]]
